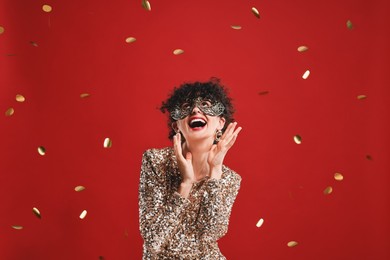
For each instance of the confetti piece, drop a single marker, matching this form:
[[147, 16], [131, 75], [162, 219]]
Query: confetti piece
[[47, 8], [349, 25], [255, 12], [101, 257], [260, 223], [236, 27], [178, 51], [130, 39], [292, 243], [306, 74], [79, 188], [1, 29], [328, 190], [36, 213], [146, 5], [17, 227], [83, 214], [264, 92], [297, 139], [126, 233], [361, 97], [338, 176], [85, 95], [34, 44], [302, 48], [20, 98], [10, 111], [107, 143], [368, 157], [41, 150]]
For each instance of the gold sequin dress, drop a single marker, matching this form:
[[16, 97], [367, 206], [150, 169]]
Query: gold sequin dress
[[174, 227]]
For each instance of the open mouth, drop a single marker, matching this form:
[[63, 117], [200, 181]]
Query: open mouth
[[197, 123]]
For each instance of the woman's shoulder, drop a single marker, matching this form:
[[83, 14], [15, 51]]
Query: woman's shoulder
[[158, 154], [230, 175]]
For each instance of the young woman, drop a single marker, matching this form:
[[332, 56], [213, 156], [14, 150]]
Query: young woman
[[186, 193]]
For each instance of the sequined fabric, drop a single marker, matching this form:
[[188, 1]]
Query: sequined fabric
[[174, 227]]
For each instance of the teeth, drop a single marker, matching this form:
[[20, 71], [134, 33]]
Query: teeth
[[197, 120]]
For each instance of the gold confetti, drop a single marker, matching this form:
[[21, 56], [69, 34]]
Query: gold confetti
[[126, 233], [37, 213], [306, 74], [10, 111], [328, 190], [368, 157], [236, 27], [338, 176], [84, 95], [17, 227], [303, 48], [101, 257], [130, 39], [361, 97], [146, 5], [178, 51], [41, 150], [1, 29], [349, 25], [47, 8], [83, 214], [260, 223], [20, 98], [292, 243], [297, 139], [265, 92], [255, 12], [107, 143], [79, 188], [34, 44]]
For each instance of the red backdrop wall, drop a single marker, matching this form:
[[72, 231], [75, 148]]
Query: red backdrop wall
[[51, 58]]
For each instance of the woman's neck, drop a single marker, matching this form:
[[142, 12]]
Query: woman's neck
[[200, 151]]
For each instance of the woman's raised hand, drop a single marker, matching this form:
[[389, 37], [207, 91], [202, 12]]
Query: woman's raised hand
[[218, 151], [184, 163]]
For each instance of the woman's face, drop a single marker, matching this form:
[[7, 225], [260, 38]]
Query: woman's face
[[201, 121]]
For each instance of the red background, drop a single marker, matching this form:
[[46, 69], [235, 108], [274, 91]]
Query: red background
[[80, 48]]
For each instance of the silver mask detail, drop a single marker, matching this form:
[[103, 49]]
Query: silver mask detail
[[205, 105]]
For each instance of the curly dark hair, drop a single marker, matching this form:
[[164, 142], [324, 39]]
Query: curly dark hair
[[212, 89]]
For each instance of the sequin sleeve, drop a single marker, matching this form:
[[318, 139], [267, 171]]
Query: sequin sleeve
[[159, 212], [217, 204]]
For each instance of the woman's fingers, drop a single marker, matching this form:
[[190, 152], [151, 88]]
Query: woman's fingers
[[230, 133]]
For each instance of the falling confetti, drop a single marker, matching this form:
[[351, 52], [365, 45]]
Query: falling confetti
[[146, 5], [178, 51], [101, 257], [236, 27], [368, 157], [361, 97], [83, 214], [47, 8], [255, 12], [1, 29], [306, 74], [20, 98], [107, 143], [17, 227], [297, 139], [10, 111], [79, 188], [302, 48], [292, 243], [130, 39], [41, 150], [37, 213], [260, 223], [328, 190], [338, 176], [265, 92], [34, 44], [85, 95], [349, 25]]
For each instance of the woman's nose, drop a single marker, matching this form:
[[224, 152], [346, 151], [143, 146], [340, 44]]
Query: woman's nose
[[196, 110]]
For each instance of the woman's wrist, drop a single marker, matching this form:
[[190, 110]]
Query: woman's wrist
[[185, 188], [216, 172]]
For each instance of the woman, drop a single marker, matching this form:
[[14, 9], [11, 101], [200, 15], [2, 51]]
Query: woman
[[186, 193]]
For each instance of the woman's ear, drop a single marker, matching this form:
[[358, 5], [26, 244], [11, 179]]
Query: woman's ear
[[222, 122], [174, 127]]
